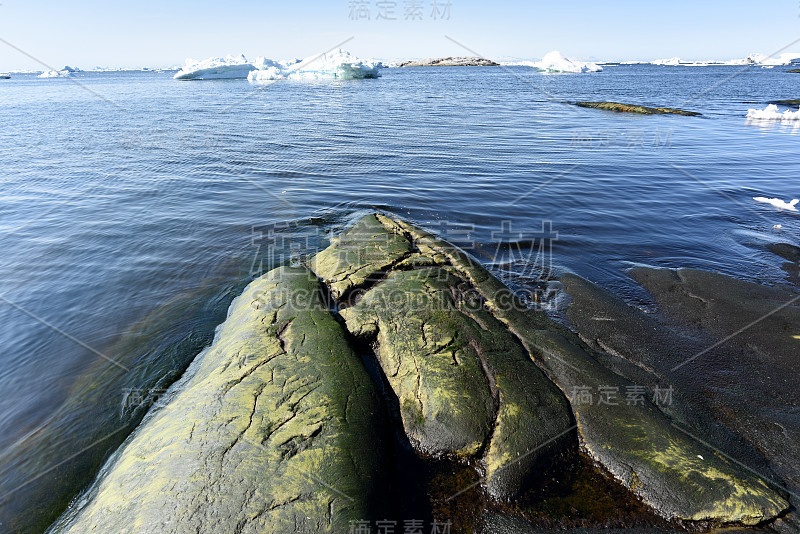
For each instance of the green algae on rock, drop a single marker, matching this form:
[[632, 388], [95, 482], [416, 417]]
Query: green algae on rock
[[637, 444], [359, 255], [273, 430], [465, 385], [631, 108]]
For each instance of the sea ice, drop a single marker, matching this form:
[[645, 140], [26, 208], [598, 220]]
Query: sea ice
[[337, 65], [670, 61], [55, 74], [216, 68], [778, 203], [556, 62], [771, 113]]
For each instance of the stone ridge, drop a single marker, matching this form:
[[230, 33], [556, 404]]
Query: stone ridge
[[275, 431], [466, 386], [677, 475], [630, 108]]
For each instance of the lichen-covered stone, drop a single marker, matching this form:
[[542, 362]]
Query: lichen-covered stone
[[630, 108], [358, 256], [465, 385], [637, 443], [274, 429]]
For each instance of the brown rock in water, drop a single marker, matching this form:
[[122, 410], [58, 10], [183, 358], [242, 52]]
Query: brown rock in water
[[630, 108], [451, 62]]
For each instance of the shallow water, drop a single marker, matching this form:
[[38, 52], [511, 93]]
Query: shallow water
[[135, 208]]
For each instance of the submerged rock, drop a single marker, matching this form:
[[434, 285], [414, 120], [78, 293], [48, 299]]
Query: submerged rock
[[450, 62], [793, 71], [630, 108], [791, 102], [465, 385], [273, 430]]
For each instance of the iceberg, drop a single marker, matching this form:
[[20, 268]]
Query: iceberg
[[55, 74], [216, 68], [771, 113], [337, 65], [556, 62], [671, 61]]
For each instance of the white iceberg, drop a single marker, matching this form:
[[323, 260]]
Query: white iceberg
[[216, 68], [337, 65], [778, 203], [55, 74], [771, 113], [556, 62], [671, 61]]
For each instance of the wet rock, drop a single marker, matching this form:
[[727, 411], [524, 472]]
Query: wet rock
[[794, 102], [750, 373], [637, 444], [791, 253], [359, 257], [647, 352], [465, 385], [793, 70], [630, 108], [451, 62], [272, 430]]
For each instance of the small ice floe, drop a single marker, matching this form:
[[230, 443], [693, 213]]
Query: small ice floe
[[771, 113], [556, 62], [216, 68], [778, 203], [55, 74], [777, 227]]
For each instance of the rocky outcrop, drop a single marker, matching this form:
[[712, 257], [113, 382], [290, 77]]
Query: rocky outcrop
[[465, 385], [273, 430], [794, 71], [791, 102], [637, 443], [277, 426], [630, 108], [450, 62]]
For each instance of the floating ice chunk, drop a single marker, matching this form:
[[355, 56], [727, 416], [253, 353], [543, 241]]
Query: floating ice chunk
[[337, 65], [670, 61], [216, 68], [55, 74], [556, 62], [771, 113], [778, 203]]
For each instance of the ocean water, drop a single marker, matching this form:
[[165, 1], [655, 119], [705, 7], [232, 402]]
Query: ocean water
[[135, 208]]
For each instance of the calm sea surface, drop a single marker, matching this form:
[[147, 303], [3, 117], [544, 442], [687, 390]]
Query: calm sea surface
[[134, 208]]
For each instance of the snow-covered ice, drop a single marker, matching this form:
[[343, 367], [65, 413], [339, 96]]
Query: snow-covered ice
[[771, 113], [333, 65], [778, 203], [336, 65], [55, 74], [556, 62], [216, 68]]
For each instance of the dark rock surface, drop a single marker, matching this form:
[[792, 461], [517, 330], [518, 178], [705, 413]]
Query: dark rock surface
[[631, 108], [794, 102]]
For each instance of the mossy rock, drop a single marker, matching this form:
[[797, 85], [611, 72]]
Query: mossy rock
[[273, 430], [637, 443], [790, 102], [466, 387], [630, 108], [358, 256]]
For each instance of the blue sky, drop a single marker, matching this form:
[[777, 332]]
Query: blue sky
[[149, 33]]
